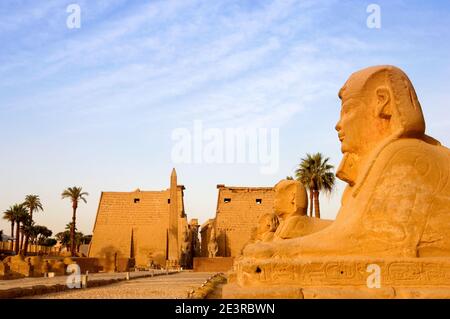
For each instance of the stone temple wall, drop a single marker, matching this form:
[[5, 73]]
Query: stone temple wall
[[135, 224], [238, 211]]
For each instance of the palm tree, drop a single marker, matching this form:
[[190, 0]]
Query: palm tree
[[20, 214], [75, 194], [316, 175], [9, 216], [49, 242], [33, 203], [69, 227], [64, 238], [31, 233], [25, 228], [42, 234], [79, 236], [86, 240]]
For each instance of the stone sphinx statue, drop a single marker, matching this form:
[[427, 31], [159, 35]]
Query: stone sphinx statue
[[290, 205], [397, 202], [395, 210], [267, 225]]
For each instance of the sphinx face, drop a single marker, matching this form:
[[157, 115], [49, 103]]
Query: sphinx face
[[356, 126], [282, 204]]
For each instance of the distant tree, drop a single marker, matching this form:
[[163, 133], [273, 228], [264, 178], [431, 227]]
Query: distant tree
[[86, 239], [289, 178], [34, 233], [316, 175], [75, 194], [24, 228], [42, 234], [64, 238], [79, 236], [9, 216], [28, 231], [69, 227], [20, 214], [49, 242], [33, 204]]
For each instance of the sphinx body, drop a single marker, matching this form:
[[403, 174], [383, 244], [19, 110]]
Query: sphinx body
[[395, 210]]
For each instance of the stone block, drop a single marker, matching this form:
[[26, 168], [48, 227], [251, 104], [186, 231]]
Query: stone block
[[217, 264]]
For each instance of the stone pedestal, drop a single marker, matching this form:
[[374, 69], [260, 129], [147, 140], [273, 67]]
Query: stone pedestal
[[340, 277], [216, 264], [172, 264]]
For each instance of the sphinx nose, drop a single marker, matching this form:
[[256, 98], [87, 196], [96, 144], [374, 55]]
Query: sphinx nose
[[338, 126]]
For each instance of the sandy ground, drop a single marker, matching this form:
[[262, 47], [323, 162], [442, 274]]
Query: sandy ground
[[173, 286], [33, 281]]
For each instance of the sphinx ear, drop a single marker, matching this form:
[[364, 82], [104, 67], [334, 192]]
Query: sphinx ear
[[293, 198], [384, 108]]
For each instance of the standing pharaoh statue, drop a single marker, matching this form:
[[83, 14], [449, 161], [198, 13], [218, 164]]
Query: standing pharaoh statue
[[213, 247], [185, 248]]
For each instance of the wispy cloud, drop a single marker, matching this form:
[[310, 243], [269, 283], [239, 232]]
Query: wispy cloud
[[155, 62], [138, 69]]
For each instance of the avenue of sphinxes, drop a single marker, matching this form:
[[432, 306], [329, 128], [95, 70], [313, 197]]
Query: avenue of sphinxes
[[394, 219]]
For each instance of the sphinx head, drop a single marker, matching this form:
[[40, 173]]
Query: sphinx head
[[267, 223], [290, 198], [377, 103]]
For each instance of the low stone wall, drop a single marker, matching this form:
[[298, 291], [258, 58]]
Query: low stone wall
[[217, 264], [120, 265], [13, 267], [85, 263], [5, 246]]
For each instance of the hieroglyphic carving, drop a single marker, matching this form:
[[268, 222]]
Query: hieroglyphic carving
[[395, 273]]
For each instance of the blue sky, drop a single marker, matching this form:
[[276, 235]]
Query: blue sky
[[96, 106]]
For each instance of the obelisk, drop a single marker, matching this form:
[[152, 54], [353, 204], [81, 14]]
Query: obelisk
[[173, 221]]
